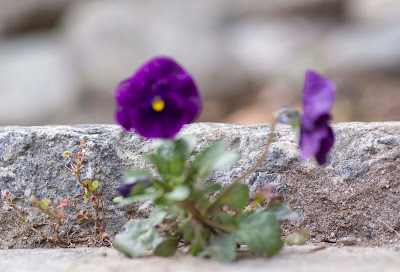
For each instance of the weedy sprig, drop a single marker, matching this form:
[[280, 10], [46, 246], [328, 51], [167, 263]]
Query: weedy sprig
[[46, 206], [56, 212], [76, 165]]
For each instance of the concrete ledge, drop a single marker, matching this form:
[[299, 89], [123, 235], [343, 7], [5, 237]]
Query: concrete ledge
[[291, 259], [351, 196]]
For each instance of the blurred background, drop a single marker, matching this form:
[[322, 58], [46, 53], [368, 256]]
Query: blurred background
[[61, 59]]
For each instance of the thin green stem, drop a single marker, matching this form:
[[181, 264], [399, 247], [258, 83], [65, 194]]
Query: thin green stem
[[245, 174], [78, 168], [194, 213]]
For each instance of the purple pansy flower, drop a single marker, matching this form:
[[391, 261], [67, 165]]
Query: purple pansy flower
[[316, 136], [158, 99], [126, 188]]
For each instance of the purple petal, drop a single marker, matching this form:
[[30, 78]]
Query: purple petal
[[154, 70], [310, 140], [326, 145], [125, 189], [318, 95]]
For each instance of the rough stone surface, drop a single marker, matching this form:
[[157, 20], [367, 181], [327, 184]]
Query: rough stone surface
[[354, 195], [291, 259]]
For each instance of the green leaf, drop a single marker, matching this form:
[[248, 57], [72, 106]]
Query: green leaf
[[197, 246], [212, 188], [94, 186], [237, 197], [189, 142], [280, 211], [142, 197], [141, 192], [175, 211], [156, 216], [139, 188], [187, 229], [118, 199], [137, 173], [183, 146], [261, 232], [298, 238], [86, 196], [201, 235], [65, 154], [140, 235], [167, 247], [213, 158], [222, 248], [181, 192], [170, 157], [44, 202], [226, 219], [164, 148], [160, 163]]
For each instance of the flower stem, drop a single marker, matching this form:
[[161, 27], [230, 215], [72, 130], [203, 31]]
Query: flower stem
[[77, 171], [194, 213], [245, 174]]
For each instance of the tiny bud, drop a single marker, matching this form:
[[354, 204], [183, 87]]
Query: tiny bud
[[79, 154], [93, 199], [6, 193], [288, 116], [63, 203], [34, 200], [65, 154], [83, 143]]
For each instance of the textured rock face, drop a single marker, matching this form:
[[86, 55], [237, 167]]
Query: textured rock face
[[350, 196]]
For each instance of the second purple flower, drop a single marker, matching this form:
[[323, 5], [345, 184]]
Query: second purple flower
[[316, 136]]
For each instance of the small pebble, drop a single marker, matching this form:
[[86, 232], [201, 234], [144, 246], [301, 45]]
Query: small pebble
[[347, 241]]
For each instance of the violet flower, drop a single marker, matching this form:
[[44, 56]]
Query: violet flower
[[126, 188], [158, 99], [316, 136]]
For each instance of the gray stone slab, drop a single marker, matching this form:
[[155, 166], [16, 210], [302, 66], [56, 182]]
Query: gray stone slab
[[296, 259], [353, 196]]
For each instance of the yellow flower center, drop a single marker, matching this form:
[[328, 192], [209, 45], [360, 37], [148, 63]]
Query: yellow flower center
[[157, 104]]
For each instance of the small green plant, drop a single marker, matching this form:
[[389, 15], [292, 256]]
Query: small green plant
[[195, 216], [56, 213], [190, 214]]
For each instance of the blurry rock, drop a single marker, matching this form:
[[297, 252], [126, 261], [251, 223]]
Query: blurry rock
[[27, 15], [373, 11], [239, 8], [272, 47], [111, 39], [347, 241], [372, 97], [36, 79], [362, 48], [272, 97]]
